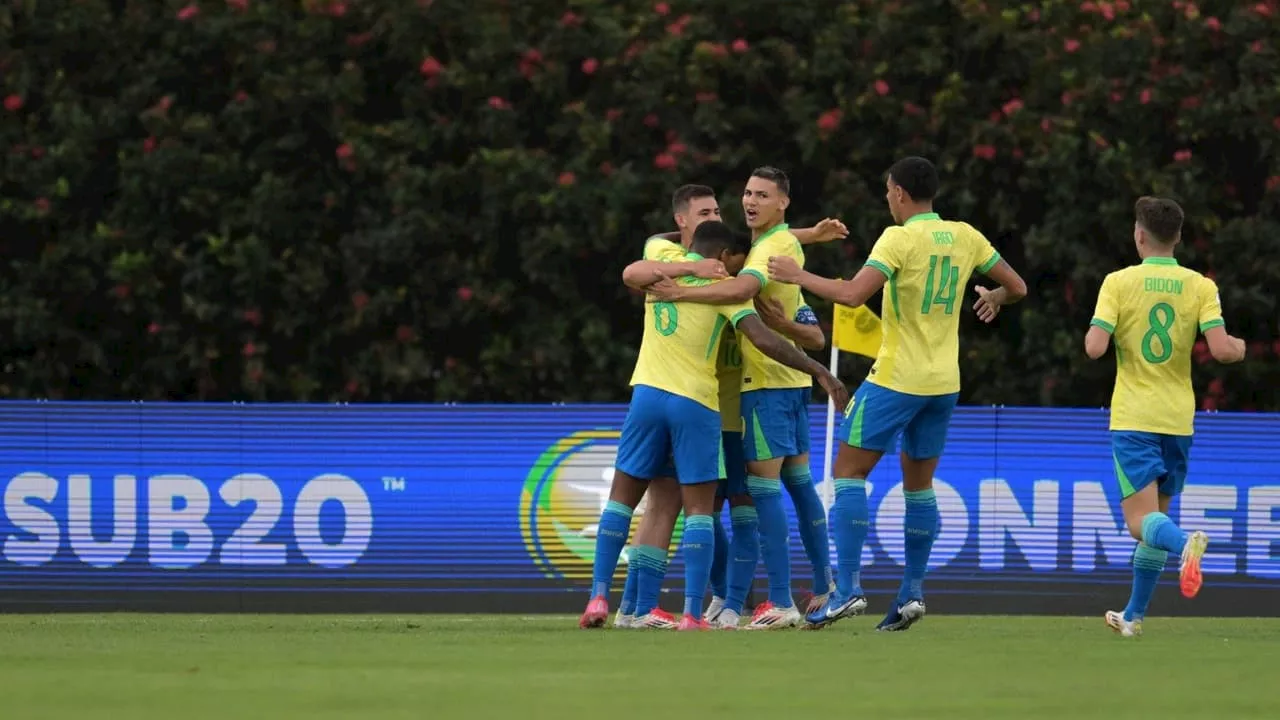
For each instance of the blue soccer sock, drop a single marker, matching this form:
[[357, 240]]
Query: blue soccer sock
[[850, 521], [920, 527], [651, 570], [1148, 563], [1160, 532], [775, 537], [628, 604], [744, 551], [699, 549], [720, 561], [615, 525], [813, 524]]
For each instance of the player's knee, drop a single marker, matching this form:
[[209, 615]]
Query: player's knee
[[741, 500], [1135, 527]]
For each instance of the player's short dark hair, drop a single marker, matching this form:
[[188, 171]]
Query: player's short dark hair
[[713, 237], [1160, 217], [917, 176], [776, 176], [685, 194]]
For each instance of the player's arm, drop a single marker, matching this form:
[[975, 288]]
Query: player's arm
[[802, 330], [772, 345], [643, 273], [852, 293], [826, 231], [733, 291], [1105, 316], [1012, 288], [1222, 346]]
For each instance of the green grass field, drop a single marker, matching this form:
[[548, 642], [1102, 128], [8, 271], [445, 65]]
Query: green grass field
[[187, 667]]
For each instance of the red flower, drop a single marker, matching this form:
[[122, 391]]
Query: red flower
[[665, 161], [1116, 96], [153, 328], [984, 152], [1191, 103], [13, 103], [465, 294], [1071, 45], [1273, 182], [606, 168], [238, 5], [1182, 156], [1256, 47], [1012, 106], [404, 334], [359, 299], [1276, 122], [911, 108], [566, 179], [719, 50], [241, 96], [37, 152], [1101, 141], [1046, 125], [121, 291], [253, 316], [1262, 9], [498, 103], [249, 350], [570, 19], [42, 205], [612, 114], [1200, 351], [1145, 96], [188, 12], [651, 120], [1122, 5], [994, 116], [590, 66], [829, 120], [706, 97], [1108, 11], [1067, 97], [677, 148], [882, 88], [450, 363], [662, 9], [353, 387], [337, 9], [1213, 24], [1089, 7], [740, 46], [1018, 154], [675, 29], [1216, 388], [344, 151], [430, 67]]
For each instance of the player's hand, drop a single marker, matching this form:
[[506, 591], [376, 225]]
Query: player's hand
[[987, 306], [709, 269], [835, 389], [771, 313], [1242, 348], [784, 269], [663, 290], [829, 229]]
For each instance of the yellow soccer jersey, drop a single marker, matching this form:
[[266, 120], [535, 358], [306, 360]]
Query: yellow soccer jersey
[[1153, 311], [760, 372], [729, 375], [681, 345], [928, 262], [662, 250]]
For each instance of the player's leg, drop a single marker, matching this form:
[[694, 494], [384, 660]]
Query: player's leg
[[766, 437], [643, 450], [720, 563], [744, 545], [650, 553], [923, 441], [699, 458], [874, 419], [810, 515], [1177, 452]]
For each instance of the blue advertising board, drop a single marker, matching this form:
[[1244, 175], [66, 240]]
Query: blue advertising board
[[491, 508]]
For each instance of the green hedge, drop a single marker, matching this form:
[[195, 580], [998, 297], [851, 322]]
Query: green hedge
[[418, 200]]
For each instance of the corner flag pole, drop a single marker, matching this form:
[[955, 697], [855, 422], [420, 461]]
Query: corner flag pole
[[829, 485], [858, 331]]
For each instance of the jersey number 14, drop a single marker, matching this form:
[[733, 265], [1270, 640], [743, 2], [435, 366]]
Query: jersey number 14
[[940, 285]]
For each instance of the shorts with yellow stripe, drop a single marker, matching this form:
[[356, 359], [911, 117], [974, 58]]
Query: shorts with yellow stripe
[[877, 416], [1145, 457]]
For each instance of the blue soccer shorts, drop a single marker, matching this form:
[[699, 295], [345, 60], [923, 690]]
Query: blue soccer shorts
[[776, 423], [734, 481], [1143, 458], [877, 416], [662, 428]]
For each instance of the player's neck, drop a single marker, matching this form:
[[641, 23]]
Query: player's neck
[[757, 233], [686, 239], [915, 209]]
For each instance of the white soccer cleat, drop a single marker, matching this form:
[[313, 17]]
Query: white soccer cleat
[[624, 621], [657, 619], [714, 609], [770, 617], [726, 620], [1126, 628]]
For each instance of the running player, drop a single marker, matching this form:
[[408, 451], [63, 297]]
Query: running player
[[775, 403], [913, 385], [674, 414], [1153, 310], [731, 579]]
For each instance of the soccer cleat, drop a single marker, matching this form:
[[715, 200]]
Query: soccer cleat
[[902, 618], [726, 620], [624, 621], [1126, 628], [657, 619], [770, 617], [1189, 577], [714, 609], [833, 610], [689, 622], [597, 613]]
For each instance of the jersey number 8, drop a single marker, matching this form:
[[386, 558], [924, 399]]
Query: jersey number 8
[[1159, 321]]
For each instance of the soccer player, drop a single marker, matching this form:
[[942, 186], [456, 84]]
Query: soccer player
[[1153, 310], [912, 388], [691, 205], [674, 415], [775, 403]]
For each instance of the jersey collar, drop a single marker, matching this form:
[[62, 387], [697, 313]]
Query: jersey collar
[[691, 255], [922, 216], [1160, 261], [775, 229]]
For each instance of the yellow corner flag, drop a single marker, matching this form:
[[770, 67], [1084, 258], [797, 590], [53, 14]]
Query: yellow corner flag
[[856, 330]]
